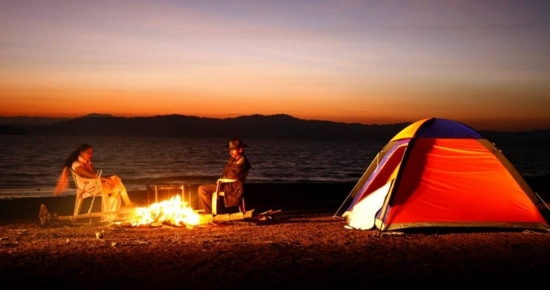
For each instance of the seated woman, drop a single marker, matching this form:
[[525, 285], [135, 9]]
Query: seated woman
[[80, 161]]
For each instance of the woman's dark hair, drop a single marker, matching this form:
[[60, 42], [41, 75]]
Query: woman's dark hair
[[74, 156]]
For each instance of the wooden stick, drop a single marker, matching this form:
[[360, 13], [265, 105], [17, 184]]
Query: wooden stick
[[90, 215]]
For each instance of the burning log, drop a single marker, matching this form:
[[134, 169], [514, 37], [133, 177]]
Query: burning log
[[173, 212], [92, 215], [239, 216]]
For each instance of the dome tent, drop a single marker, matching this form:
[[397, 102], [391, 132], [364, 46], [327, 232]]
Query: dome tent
[[442, 173]]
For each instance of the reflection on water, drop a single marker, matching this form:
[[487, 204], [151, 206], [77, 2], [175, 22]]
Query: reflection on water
[[30, 165]]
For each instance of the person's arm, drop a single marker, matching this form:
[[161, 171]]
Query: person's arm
[[83, 172], [237, 169]]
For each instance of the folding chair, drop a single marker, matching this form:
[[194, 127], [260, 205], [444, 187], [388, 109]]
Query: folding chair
[[86, 187], [169, 190], [219, 193]]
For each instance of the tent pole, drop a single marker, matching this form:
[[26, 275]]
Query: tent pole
[[383, 226], [345, 201], [377, 159], [385, 207], [543, 202]]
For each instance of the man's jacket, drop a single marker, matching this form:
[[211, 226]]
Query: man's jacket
[[236, 168]]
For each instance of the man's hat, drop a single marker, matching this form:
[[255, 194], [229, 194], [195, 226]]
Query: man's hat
[[235, 144]]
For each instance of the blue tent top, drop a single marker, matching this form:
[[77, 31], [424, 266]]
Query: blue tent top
[[438, 128]]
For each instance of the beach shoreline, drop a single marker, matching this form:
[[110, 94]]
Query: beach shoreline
[[258, 196], [261, 197], [302, 247]]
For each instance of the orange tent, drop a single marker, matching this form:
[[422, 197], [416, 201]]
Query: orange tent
[[441, 173]]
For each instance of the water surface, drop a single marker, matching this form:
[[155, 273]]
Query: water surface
[[30, 165]]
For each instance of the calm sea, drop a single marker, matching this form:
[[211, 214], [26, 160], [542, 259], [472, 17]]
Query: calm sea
[[30, 165]]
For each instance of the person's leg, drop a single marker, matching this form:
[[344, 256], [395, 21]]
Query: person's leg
[[205, 192], [114, 202], [120, 189], [110, 203], [116, 195]]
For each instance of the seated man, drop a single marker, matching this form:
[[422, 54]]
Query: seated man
[[237, 168]]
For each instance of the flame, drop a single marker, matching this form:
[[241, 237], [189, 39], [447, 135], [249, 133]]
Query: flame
[[173, 211]]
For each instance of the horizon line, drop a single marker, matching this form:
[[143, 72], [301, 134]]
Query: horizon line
[[106, 115], [100, 115]]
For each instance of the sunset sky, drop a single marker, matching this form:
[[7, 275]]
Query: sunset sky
[[483, 63]]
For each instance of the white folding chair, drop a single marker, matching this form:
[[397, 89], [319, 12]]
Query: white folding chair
[[86, 187], [217, 194]]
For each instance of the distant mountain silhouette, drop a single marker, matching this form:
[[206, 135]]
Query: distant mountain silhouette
[[246, 127], [26, 120], [525, 137], [95, 115]]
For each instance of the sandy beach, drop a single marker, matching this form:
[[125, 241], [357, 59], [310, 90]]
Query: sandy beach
[[302, 247]]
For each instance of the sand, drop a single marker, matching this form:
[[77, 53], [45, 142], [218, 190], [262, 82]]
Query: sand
[[303, 247]]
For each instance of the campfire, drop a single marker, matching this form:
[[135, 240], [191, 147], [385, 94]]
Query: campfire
[[174, 211]]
